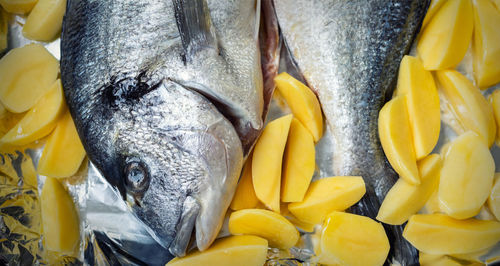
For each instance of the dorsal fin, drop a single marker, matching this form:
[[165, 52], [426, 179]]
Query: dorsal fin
[[195, 26]]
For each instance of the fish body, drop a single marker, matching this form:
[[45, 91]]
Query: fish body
[[167, 97], [349, 52]]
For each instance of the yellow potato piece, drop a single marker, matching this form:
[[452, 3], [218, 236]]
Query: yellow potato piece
[[432, 205], [436, 260], [303, 103], [423, 104], [497, 4], [327, 195], [18, 6], [494, 198], [495, 102], [404, 199], [299, 163], [486, 44], [45, 21], [349, 239], [466, 177], [441, 234], [244, 197], [266, 162], [26, 74], [304, 226], [228, 251], [4, 20], [395, 136], [433, 8], [468, 105], [63, 154], [40, 120], [267, 224], [61, 229], [446, 37]]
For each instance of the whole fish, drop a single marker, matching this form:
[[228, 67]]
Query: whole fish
[[167, 97], [349, 53]]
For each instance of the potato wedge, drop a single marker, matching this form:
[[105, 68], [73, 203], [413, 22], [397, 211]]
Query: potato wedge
[[267, 162], [445, 39], [299, 163], [349, 239], [486, 44], [494, 197], [327, 195], [431, 11], [404, 199], [228, 251], [40, 120], [44, 23], [397, 142], [495, 103], [63, 154], [18, 6], [60, 223], [423, 104], [468, 105], [303, 103], [466, 177], [441, 234], [280, 232], [26, 74], [244, 197]]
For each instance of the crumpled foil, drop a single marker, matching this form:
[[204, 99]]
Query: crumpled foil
[[110, 233]]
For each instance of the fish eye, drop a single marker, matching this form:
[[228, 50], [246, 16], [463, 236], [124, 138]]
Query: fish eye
[[136, 177]]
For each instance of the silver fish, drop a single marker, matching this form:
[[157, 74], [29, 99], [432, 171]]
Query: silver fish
[[167, 97], [349, 53]]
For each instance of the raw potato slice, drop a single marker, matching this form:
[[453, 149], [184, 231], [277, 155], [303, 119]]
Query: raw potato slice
[[244, 197], [495, 102], [267, 224], [433, 8], [466, 177], [228, 251], [18, 6], [44, 23], [494, 198], [468, 105], [303, 103], [327, 195], [26, 74], [349, 239], [404, 199], [423, 104], [395, 136], [63, 154], [59, 219], [486, 44], [432, 205], [266, 162], [40, 120], [446, 37], [436, 260], [298, 168], [441, 234]]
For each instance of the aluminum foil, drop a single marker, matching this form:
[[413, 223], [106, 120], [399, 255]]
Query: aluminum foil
[[110, 233]]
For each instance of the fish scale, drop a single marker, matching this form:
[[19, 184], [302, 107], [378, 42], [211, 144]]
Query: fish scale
[[349, 52]]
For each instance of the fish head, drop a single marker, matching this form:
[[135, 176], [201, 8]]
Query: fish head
[[171, 155]]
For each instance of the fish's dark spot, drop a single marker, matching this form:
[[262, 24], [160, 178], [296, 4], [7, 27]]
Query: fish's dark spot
[[127, 90], [137, 177]]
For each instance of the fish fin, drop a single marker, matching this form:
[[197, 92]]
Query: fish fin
[[185, 227], [402, 252], [195, 26]]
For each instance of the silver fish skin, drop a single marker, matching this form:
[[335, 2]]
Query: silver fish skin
[[166, 97], [349, 53]]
